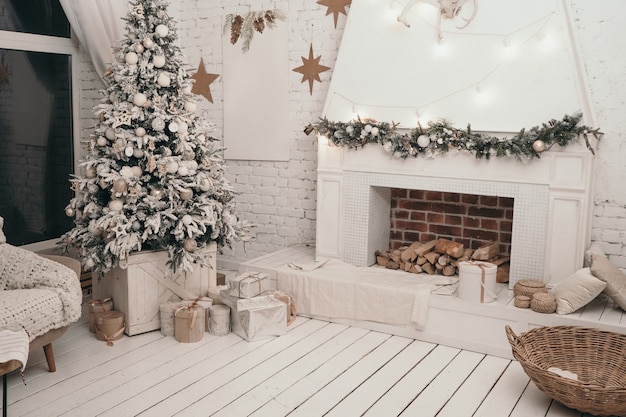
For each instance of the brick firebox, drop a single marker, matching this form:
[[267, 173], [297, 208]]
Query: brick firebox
[[473, 220]]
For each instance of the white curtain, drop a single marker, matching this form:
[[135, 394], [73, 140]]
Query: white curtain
[[98, 25]]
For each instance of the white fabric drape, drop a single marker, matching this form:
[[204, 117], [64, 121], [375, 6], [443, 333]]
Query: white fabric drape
[[98, 25]]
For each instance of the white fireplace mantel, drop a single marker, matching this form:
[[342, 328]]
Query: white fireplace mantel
[[552, 202]]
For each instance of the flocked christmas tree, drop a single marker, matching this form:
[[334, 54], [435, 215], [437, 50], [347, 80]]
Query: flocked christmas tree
[[152, 177]]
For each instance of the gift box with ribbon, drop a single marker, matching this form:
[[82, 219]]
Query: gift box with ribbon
[[97, 306], [249, 284], [109, 326], [477, 281], [189, 323], [256, 318]]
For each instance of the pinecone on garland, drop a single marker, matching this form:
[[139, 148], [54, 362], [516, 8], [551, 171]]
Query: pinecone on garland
[[235, 29], [270, 17], [259, 24]]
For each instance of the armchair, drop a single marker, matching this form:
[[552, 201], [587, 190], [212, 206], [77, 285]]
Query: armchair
[[40, 293]]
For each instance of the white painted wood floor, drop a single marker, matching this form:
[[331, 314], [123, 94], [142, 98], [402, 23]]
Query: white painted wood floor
[[317, 369]]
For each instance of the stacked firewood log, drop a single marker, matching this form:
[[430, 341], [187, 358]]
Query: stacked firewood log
[[442, 256]]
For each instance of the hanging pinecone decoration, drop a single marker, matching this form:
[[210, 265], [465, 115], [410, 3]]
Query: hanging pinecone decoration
[[270, 17], [259, 24], [235, 29]]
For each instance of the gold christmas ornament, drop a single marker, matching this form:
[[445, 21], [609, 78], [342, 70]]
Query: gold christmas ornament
[[116, 205], [148, 43], [70, 212], [539, 146], [137, 171], [186, 194], [120, 185], [190, 245], [156, 193], [90, 172]]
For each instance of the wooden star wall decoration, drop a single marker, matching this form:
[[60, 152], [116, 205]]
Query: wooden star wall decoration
[[311, 69], [203, 82], [335, 7]]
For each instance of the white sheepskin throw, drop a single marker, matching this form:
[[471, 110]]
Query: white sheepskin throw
[[55, 303]]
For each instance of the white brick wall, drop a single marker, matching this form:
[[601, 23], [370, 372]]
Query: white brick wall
[[280, 197], [602, 36]]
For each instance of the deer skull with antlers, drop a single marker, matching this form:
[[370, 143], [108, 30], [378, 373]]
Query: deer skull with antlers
[[448, 9]]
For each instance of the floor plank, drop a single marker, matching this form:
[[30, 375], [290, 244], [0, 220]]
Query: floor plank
[[326, 398], [413, 383], [380, 382], [439, 392], [503, 397], [285, 378], [237, 387], [300, 391], [469, 396]]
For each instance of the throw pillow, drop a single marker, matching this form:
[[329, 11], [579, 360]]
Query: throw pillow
[[594, 248], [615, 279], [576, 291]]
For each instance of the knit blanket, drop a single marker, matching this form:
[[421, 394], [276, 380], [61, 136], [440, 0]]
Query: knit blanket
[[36, 293]]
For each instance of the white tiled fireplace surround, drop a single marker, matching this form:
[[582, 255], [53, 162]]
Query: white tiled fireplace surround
[[552, 202]]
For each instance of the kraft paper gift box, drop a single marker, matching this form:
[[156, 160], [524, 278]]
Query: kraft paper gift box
[[256, 318], [249, 284], [189, 323]]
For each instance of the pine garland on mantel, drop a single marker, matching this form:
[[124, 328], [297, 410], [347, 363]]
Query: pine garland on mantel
[[439, 138]]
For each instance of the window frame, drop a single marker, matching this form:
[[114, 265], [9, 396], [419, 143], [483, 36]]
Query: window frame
[[56, 45]]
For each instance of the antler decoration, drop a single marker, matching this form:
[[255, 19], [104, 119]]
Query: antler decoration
[[447, 8]]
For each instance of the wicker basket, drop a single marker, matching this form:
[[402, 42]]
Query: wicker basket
[[596, 356], [521, 301], [528, 287], [542, 302]]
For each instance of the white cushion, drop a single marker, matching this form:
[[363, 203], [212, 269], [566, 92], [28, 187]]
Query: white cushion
[[615, 279], [576, 291], [594, 248]]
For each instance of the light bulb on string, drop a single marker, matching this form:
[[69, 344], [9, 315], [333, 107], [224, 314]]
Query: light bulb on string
[[355, 113], [540, 35]]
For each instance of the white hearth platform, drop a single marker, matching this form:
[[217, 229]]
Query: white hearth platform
[[461, 324]]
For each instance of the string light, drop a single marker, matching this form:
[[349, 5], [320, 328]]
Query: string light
[[442, 48]]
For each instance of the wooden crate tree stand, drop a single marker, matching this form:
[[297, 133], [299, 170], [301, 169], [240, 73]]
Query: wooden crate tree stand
[[140, 289]]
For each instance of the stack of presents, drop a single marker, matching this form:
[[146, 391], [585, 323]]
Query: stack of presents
[[245, 304]]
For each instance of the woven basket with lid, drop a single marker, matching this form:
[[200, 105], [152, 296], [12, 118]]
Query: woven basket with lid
[[528, 287], [542, 302]]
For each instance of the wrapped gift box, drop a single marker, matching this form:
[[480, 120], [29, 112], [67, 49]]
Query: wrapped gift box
[[189, 323], [477, 281], [256, 318], [249, 284]]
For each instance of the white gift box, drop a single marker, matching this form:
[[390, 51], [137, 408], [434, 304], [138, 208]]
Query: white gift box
[[477, 282], [249, 284], [256, 318]]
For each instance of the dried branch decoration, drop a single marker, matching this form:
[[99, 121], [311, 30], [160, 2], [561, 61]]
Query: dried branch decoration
[[244, 26]]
